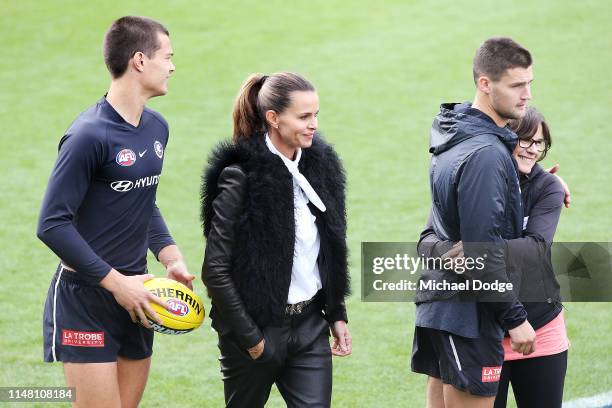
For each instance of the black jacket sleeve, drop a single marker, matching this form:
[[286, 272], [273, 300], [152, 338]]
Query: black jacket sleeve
[[333, 241], [482, 195], [218, 258], [529, 257], [545, 213], [337, 313]]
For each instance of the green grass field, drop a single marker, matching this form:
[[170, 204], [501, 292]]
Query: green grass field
[[381, 70]]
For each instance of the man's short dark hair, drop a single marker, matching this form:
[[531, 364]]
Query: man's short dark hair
[[498, 54], [127, 36]]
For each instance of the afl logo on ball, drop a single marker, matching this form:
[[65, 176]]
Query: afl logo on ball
[[177, 307], [126, 157], [159, 149]]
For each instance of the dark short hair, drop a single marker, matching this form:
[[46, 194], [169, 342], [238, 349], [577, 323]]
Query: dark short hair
[[526, 127], [496, 55], [127, 36]]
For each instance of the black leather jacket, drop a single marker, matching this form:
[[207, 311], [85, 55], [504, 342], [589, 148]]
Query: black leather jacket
[[248, 218]]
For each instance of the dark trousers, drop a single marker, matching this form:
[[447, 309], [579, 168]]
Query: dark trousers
[[536, 382], [296, 357]]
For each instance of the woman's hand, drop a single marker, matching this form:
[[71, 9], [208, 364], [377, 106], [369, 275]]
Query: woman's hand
[[257, 350], [568, 195], [343, 343]]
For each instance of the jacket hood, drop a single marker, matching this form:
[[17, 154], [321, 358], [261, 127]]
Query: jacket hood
[[458, 122]]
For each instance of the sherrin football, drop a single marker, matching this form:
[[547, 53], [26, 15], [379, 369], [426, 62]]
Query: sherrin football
[[185, 309]]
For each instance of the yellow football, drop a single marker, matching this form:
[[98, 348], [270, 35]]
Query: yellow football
[[185, 310]]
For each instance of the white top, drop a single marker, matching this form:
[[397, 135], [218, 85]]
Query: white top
[[305, 276]]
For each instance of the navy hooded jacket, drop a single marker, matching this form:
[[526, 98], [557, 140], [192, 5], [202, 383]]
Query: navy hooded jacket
[[476, 199]]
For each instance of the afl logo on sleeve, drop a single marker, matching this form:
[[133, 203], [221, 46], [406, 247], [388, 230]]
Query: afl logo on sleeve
[[159, 149], [126, 157]]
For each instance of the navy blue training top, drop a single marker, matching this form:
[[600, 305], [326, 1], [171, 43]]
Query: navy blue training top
[[99, 209]]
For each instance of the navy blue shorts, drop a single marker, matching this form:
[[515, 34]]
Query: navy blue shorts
[[85, 324], [472, 365]]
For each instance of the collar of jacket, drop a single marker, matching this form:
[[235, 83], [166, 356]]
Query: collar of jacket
[[319, 164], [535, 172]]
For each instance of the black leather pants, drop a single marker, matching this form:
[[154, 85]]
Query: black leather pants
[[296, 357]]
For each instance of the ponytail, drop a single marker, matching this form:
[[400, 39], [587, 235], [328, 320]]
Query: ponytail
[[247, 119], [255, 99]]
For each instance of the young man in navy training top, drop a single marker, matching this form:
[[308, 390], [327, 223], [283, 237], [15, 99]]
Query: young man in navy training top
[[475, 199], [99, 217]]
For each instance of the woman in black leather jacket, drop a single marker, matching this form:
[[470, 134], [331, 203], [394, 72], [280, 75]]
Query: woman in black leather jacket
[[273, 210]]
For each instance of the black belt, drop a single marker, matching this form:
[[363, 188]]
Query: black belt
[[298, 308], [303, 307]]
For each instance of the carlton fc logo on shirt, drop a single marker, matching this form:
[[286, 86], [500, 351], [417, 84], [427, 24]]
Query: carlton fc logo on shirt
[[126, 157], [159, 149]]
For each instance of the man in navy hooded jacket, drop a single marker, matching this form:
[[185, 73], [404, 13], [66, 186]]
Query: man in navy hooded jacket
[[475, 199]]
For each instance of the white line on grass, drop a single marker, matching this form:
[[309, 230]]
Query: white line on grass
[[603, 400]]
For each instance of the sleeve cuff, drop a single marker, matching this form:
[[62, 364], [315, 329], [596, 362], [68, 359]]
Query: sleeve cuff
[[95, 275], [250, 339], [336, 314]]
